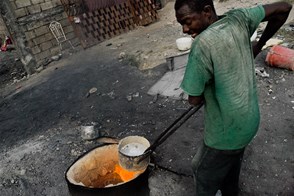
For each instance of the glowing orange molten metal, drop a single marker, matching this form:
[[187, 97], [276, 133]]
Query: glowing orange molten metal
[[124, 174]]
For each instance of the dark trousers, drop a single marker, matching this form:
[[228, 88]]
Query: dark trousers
[[217, 170]]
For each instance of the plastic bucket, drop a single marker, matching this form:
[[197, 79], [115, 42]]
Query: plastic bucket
[[281, 57]]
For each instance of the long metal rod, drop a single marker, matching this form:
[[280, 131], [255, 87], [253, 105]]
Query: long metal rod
[[171, 129], [168, 129]]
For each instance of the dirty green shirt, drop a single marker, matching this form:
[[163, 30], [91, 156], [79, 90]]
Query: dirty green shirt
[[221, 67]]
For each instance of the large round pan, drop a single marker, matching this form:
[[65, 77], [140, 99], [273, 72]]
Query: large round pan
[[97, 172]]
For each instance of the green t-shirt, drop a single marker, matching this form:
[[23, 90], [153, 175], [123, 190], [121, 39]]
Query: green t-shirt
[[221, 67]]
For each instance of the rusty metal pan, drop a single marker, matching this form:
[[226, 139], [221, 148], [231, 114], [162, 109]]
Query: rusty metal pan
[[92, 174]]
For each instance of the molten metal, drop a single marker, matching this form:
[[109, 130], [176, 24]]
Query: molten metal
[[124, 174]]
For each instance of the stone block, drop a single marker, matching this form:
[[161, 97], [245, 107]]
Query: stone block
[[55, 50], [64, 15], [42, 30], [68, 29], [13, 6], [70, 35], [30, 35], [56, 2], [36, 50], [20, 12], [46, 6], [49, 36], [54, 42], [46, 45], [34, 25], [37, 1], [64, 22], [33, 9], [38, 59], [43, 55], [31, 44], [58, 17], [40, 40], [75, 41], [46, 54], [22, 3]]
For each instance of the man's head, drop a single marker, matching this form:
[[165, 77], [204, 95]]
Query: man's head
[[195, 15]]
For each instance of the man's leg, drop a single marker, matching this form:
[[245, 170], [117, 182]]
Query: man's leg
[[210, 168], [209, 171], [230, 186]]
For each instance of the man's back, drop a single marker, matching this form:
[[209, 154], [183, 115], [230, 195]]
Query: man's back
[[222, 62]]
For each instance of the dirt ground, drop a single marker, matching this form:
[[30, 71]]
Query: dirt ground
[[11, 68], [41, 117]]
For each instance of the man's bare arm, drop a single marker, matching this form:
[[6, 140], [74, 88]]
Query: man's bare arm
[[276, 14], [195, 100]]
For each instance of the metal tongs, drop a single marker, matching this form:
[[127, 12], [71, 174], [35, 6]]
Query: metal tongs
[[171, 129]]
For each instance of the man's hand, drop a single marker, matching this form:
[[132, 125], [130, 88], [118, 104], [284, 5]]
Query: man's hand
[[195, 100], [276, 14]]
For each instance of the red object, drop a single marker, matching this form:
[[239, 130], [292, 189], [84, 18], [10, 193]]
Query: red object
[[6, 43], [8, 40], [281, 57], [4, 47]]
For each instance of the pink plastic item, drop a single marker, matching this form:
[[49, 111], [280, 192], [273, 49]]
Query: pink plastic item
[[281, 57]]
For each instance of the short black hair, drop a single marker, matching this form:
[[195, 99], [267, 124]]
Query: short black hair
[[194, 5]]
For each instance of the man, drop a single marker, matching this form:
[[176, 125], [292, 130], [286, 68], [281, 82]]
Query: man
[[220, 73]]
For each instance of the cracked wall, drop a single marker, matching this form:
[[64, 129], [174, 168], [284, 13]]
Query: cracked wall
[[28, 23]]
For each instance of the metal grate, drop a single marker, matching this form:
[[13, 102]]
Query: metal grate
[[105, 23], [144, 11]]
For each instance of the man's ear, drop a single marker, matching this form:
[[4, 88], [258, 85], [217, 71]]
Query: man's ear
[[207, 9], [207, 12]]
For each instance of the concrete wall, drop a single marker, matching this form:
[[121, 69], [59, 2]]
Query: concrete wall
[[3, 29], [28, 23]]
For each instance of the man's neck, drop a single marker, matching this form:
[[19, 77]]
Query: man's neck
[[215, 18]]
